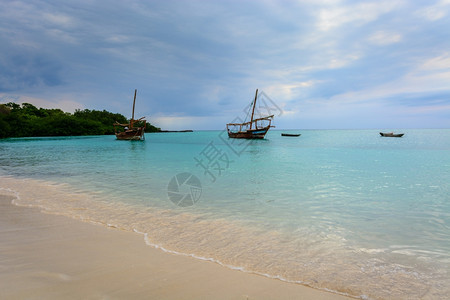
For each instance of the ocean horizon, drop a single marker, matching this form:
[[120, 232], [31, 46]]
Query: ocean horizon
[[346, 211]]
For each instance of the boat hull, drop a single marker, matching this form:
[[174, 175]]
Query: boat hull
[[135, 134], [249, 134], [290, 134], [390, 134]]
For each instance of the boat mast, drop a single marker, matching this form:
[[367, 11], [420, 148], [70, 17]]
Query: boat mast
[[132, 116], [253, 111]]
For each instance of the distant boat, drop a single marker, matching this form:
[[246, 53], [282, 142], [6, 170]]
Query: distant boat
[[391, 134], [290, 134], [130, 131], [253, 129]]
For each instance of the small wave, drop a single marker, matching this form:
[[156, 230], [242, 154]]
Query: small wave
[[321, 260], [371, 251], [240, 268], [10, 192]]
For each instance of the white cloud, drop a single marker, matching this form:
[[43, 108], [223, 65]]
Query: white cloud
[[62, 36], [361, 13], [117, 38], [336, 63], [58, 19], [434, 79], [383, 38], [435, 12], [437, 63], [213, 93], [287, 92]]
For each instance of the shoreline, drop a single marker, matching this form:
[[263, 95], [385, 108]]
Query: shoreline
[[52, 256]]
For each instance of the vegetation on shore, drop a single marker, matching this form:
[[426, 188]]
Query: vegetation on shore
[[26, 120]]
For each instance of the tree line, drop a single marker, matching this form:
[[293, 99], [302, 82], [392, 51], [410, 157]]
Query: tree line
[[26, 120]]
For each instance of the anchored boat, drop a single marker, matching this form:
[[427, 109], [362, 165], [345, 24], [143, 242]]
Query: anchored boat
[[253, 129], [391, 134], [130, 131]]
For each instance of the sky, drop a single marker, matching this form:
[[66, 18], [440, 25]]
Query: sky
[[323, 64]]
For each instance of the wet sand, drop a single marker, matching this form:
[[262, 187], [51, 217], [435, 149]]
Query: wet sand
[[46, 256]]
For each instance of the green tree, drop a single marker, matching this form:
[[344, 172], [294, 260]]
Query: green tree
[[27, 120]]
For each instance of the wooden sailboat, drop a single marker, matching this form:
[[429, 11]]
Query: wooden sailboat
[[130, 131], [254, 129]]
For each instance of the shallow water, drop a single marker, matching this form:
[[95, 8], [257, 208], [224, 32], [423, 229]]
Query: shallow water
[[343, 210]]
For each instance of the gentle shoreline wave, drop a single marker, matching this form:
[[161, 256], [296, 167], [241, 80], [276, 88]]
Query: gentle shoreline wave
[[61, 199]]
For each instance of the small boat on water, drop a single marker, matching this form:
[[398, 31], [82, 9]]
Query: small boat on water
[[391, 134], [290, 134], [253, 129], [130, 131]]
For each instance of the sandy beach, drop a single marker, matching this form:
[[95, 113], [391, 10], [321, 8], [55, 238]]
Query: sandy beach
[[45, 256]]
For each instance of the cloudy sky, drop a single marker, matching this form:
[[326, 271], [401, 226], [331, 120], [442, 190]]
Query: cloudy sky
[[197, 64]]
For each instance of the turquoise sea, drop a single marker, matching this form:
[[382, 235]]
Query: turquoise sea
[[347, 211]]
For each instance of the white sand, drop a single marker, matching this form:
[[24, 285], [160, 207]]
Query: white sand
[[45, 256]]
